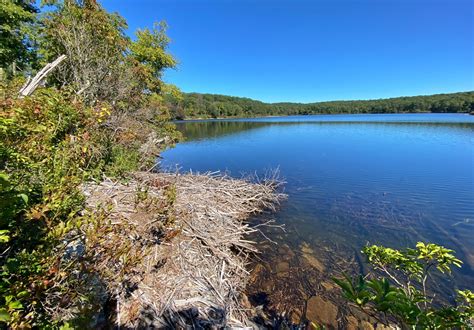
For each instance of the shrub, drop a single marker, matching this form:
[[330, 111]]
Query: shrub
[[402, 292], [50, 143]]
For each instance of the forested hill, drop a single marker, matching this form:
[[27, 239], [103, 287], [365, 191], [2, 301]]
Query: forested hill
[[195, 105]]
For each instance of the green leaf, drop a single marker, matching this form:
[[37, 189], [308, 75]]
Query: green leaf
[[66, 326], [344, 284], [22, 294], [4, 316], [24, 197], [3, 236], [15, 305]]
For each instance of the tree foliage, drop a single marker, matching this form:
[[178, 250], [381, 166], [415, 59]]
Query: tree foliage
[[150, 51], [399, 288], [103, 63], [46, 151], [94, 42], [102, 113], [16, 51], [196, 105]]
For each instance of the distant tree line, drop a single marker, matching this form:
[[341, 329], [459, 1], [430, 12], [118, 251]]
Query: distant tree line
[[195, 105]]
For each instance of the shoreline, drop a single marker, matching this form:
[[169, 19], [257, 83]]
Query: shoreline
[[200, 119]]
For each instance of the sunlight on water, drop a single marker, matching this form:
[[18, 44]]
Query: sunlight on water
[[385, 179]]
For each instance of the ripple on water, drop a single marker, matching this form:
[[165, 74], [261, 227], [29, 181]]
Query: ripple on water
[[389, 180]]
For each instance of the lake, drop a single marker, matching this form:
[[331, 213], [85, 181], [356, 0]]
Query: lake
[[351, 180]]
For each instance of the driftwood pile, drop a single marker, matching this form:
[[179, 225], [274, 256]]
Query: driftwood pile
[[176, 251]]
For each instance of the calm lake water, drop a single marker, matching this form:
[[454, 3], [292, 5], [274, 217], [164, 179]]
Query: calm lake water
[[351, 179]]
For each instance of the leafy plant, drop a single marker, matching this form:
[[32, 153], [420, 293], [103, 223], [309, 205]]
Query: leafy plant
[[402, 292], [17, 51], [51, 143], [102, 112]]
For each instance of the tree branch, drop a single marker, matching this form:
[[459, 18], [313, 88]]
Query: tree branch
[[31, 86]]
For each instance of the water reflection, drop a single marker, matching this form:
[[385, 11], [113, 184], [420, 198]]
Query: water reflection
[[196, 130], [349, 182], [205, 129]]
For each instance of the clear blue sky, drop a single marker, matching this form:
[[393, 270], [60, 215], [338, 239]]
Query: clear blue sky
[[305, 51]]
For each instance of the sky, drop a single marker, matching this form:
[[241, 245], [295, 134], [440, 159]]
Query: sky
[[319, 50]]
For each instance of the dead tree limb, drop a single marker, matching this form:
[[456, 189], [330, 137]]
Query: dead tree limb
[[30, 86]]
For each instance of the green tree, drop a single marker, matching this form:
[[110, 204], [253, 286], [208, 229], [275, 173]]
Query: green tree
[[210, 105], [150, 51], [95, 44], [103, 64], [16, 48]]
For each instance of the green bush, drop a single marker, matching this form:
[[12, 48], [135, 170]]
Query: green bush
[[50, 143], [47, 148], [402, 293], [89, 126]]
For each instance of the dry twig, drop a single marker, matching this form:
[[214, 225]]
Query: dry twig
[[183, 252]]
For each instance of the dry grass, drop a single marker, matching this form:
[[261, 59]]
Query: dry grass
[[175, 250]]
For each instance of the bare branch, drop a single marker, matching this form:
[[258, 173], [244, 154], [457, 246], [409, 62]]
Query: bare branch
[[30, 86]]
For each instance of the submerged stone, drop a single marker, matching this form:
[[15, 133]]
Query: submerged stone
[[282, 267], [308, 255], [321, 311]]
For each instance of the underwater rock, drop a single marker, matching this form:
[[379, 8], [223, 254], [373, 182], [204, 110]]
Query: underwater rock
[[285, 252], [308, 255], [314, 262], [321, 311], [282, 267]]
